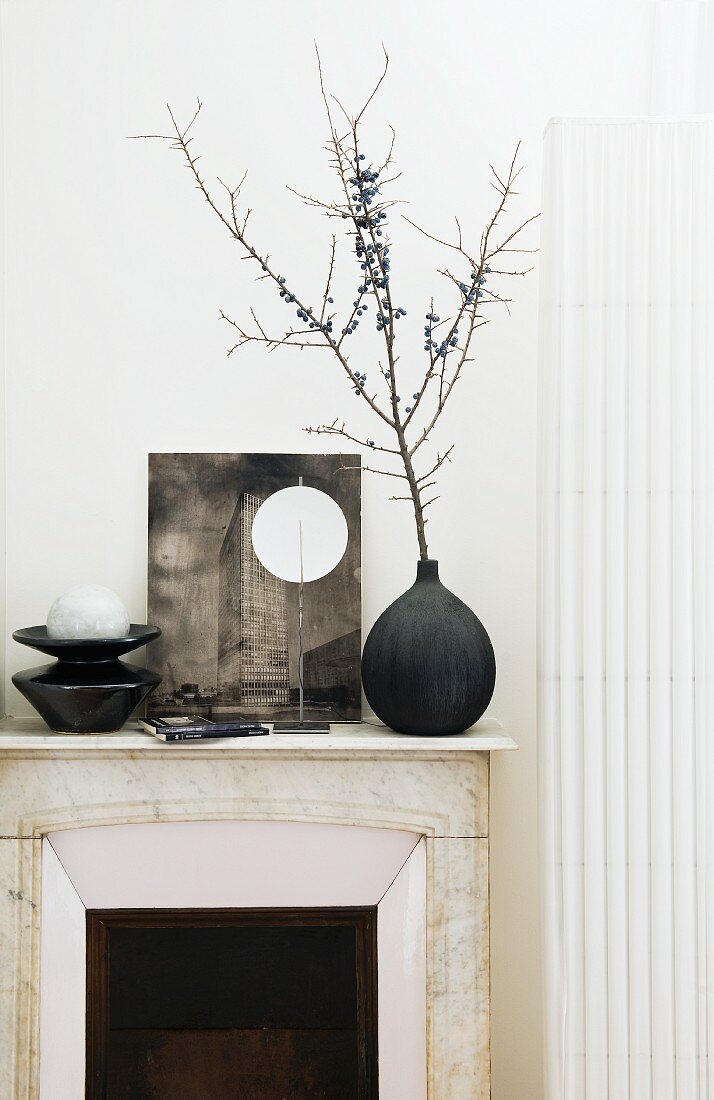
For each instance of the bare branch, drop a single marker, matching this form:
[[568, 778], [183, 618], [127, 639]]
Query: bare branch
[[502, 247], [326, 299], [440, 460], [376, 88], [238, 233], [364, 207], [439, 240], [371, 470], [335, 429]]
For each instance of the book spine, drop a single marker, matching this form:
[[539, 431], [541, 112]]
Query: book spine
[[228, 726], [214, 728]]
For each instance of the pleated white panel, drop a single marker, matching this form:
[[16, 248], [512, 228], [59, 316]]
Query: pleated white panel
[[626, 609]]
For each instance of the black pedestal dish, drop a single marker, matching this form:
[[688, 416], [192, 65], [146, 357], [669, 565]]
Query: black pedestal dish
[[88, 689]]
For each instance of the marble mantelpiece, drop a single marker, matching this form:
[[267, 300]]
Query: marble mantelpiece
[[358, 775]]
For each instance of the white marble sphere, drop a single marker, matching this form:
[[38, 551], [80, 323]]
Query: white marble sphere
[[88, 611]]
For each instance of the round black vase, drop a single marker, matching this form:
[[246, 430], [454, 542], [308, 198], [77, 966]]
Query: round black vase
[[88, 690], [428, 666]]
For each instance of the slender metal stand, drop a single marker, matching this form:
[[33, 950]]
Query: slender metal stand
[[302, 726], [301, 644]]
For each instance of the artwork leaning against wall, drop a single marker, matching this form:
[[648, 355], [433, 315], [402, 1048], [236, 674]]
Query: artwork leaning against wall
[[230, 644]]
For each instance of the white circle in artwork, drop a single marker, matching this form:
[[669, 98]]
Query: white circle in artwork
[[88, 611], [297, 514]]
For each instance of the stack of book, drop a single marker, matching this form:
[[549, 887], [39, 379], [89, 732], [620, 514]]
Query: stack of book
[[193, 727]]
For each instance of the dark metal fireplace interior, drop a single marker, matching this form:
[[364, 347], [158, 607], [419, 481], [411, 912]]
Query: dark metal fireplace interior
[[251, 1004]]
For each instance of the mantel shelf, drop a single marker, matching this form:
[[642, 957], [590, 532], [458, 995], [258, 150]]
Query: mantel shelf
[[30, 737]]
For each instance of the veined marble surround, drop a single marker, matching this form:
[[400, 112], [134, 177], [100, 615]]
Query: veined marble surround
[[362, 776]]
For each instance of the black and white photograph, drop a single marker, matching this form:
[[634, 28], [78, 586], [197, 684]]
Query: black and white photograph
[[230, 643]]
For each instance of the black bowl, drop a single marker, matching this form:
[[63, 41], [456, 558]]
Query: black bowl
[[86, 649]]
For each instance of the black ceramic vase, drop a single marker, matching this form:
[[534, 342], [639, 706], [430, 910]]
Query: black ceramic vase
[[88, 690], [428, 665]]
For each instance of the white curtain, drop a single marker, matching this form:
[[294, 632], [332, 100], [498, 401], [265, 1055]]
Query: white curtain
[[626, 609]]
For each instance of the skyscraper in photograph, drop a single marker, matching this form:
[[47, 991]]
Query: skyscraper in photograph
[[252, 619]]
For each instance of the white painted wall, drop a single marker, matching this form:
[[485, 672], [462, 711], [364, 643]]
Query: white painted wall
[[115, 274]]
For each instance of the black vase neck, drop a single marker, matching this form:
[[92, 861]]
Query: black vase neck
[[427, 570]]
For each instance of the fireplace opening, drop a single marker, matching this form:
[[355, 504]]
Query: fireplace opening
[[210, 1004]]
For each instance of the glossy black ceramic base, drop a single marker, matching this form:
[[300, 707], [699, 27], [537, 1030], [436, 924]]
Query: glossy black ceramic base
[[89, 690], [428, 665]]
